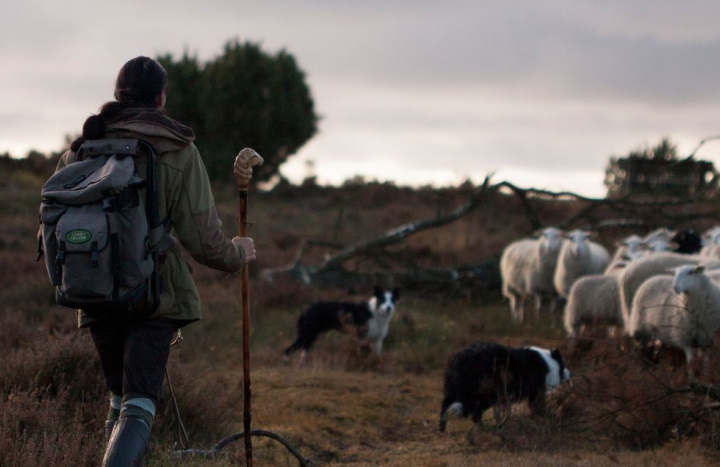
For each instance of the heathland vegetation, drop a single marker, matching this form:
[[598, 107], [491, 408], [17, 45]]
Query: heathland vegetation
[[342, 405]]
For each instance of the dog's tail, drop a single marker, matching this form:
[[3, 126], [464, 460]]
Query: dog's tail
[[449, 406]]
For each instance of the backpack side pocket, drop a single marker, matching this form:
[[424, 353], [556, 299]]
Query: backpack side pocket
[[50, 214]]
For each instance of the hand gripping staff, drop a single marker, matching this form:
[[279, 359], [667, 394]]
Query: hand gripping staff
[[247, 159]]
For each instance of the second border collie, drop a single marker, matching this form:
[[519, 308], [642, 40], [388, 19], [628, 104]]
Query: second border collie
[[371, 319], [485, 374]]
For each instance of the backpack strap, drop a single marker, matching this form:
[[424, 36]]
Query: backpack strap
[[155, 227]]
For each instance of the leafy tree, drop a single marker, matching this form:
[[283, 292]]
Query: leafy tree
[[665, 150], [184, 90], [243, 98]]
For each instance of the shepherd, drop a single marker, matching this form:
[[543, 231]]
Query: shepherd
[[134, 351]]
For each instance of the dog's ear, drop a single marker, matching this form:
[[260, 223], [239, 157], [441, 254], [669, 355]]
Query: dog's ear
[[378, 292], [396, 294], [555, 354]]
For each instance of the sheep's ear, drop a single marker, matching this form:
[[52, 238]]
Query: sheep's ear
[[591, 233], [699, 269]]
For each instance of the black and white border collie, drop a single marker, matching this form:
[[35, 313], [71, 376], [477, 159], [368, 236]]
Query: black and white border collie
[[486, 374], [370, 319]]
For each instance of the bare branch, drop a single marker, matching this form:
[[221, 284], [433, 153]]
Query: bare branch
[[405, 231]]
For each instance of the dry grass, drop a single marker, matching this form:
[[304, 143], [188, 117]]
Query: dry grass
[[342, 406]]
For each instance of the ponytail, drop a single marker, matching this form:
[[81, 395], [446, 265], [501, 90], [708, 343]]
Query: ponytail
[[139, 83]]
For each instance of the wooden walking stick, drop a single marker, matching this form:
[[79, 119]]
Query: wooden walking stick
[[247, 158]]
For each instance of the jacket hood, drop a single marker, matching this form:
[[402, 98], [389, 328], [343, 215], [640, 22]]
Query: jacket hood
[[153, 126]]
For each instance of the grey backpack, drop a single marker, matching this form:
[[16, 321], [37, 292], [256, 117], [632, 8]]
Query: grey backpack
[[99, 235]]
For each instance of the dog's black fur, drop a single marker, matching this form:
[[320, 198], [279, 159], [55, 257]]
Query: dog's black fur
[[325, 316], [485, 374]]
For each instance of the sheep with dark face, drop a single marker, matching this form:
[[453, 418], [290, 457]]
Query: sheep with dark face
[[687, 242], [527, 267]]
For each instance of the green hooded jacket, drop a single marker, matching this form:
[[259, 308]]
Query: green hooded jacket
[[186, 201]]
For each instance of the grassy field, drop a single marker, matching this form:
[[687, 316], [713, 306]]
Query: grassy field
[[342, 405]]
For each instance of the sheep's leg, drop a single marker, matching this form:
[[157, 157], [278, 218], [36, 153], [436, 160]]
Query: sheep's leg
[[521, 308], [537, 303], [513, 307], [552, 305], [513, 298]]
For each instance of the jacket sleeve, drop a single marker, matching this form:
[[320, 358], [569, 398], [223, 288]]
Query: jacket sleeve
[[196, 222], [195, 218]]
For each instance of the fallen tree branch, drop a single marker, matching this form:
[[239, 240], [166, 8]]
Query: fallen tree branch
[[397, 268], [405, 231]]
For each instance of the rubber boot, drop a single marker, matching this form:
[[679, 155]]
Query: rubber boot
[[128, 443]]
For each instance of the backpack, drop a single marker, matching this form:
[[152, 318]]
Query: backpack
[[98, 236]]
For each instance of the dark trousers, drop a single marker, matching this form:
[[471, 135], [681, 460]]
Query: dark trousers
[[134, 355]]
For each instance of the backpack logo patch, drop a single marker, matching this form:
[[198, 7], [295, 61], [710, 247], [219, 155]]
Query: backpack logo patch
[[78, 236]]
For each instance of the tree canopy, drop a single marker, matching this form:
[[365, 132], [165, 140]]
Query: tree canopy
[[243, 98]]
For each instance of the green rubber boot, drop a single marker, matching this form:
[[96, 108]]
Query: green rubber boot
[[128, 443]]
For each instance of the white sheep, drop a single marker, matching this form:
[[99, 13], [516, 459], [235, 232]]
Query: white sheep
[[593, 299], [711, 239], [578, 257], [628, 248], [681, 311], [659, 239], [527, 267], [640, 270]]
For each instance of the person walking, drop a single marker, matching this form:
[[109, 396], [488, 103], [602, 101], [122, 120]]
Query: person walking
[[134, 352]]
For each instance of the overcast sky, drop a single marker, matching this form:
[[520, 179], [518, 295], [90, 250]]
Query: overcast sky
[[540, 92]]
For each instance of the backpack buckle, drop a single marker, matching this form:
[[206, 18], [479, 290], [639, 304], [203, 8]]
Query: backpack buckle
[[59, 261], [94, 255]]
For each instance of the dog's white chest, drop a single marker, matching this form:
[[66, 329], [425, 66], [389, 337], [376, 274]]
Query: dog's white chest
[[378, 327]]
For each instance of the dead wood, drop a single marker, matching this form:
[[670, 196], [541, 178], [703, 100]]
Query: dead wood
[[396, 269]]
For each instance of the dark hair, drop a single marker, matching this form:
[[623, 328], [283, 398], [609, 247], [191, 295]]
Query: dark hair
[[139, 82]]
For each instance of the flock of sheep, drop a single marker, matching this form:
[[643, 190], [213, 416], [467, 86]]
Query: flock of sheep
[[662, 288]]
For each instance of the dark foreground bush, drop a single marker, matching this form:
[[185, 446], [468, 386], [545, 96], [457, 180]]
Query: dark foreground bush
[[638, 403], [48, 431], [52, 401]]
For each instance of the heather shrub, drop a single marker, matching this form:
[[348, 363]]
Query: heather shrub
[[66, 363], [636, 402]]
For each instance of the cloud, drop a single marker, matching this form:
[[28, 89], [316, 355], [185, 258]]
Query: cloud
[[554, 87]]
